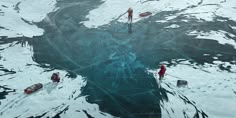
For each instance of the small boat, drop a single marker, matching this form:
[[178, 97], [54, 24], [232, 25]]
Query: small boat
[[33, 88], [144, 14]]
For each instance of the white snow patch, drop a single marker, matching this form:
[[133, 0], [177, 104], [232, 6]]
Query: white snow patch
[[185, 20], [161, 21], [221, 20], [173, 26], [215, 35], [29, 10], [217, 62], [175, 104], [170, 17], [210, 9], [234, 27], [206, 54], [210, 87], [227, 9], [111, 10], [201, 12]]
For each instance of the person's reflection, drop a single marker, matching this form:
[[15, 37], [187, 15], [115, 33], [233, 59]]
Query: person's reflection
[[130, 27]]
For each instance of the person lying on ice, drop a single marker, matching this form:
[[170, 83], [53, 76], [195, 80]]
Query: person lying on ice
[[55, 77]]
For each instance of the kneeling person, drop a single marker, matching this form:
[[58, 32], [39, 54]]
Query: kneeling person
[[55, 77]]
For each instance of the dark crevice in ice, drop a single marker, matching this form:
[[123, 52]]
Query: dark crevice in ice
[[40, 116], [5, 6], [5, 92], [234, 91], [17, 7], [61, 112], [198, 112], [87, 114], [26, 21], [6, 71], [3, 28]]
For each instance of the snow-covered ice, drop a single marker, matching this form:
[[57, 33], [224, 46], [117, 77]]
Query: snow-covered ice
[[210, 88], [112, 9], [19, 16], [173, 26], [219, 36], [207, 10]]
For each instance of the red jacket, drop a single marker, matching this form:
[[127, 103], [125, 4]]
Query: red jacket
[[55, 77], [130, 12], [162, 71]]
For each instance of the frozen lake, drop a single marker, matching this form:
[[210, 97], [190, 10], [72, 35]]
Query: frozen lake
[[109, 68]]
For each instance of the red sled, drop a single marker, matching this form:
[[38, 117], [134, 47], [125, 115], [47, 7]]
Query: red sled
[[145, 14], [33, 88]]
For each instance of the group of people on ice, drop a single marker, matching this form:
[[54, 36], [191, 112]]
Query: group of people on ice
[[55, 76]]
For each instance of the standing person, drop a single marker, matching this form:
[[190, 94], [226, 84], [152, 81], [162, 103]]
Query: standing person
[[162, 72], [130, 14], [55, 77]]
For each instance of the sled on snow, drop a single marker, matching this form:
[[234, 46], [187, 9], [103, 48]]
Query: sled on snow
[[144, 14], [33, 88]]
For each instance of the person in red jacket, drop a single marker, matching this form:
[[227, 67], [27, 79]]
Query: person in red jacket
[[55, 77], [130, 14], [162, 72]]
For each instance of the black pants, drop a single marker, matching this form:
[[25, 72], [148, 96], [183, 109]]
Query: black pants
[[161, 77]]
